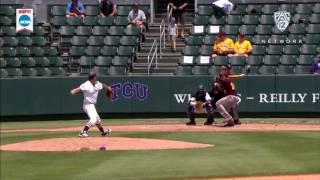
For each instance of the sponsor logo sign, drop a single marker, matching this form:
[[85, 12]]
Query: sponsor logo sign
[[281, 19], [24, 20]]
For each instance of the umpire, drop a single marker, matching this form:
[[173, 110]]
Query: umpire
[[199, 101]]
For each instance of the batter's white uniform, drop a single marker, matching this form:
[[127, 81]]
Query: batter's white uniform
[[90, 95]]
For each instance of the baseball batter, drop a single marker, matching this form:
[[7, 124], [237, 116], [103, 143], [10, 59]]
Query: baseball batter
[[200, 100], [229, 103], [90, 90]]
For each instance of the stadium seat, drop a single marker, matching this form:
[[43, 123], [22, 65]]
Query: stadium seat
[[183, 70], [8, 51], [99, 31], [248, 29], [14, 72], [298, 18], [10, 41], [3, 73], [39, 41], [304, 9], [101, 71], [270, 8], [120, 21], [308, 49], [86, 62], [253, 70], [203, 60], [316, 8], [5, 21], [92, 10], [125, 51], [123, 10], [291, 49], [92, 51], [241, 10], [115, 31], [297, 29], [275, 49], [95, 40], [251, 19], [132, 31], [200, 20], [278, 39], [204, 10], [276, 31], [191, 50], [117, 71], [194, 40], [311, 39], [108, 51], [186, 60], [39, 31], [43, 71], [315, 19], [264, 29], [254, 9], [268, 70], [217, 21], [272, 60], [66, 30], [23, 51], [288, 59], [255, 60], [12, 62], [258, 50], [209, 40], [57, 71], [237, 60], [42, 61], [237, 69], [58, 21], [234, 20], [58, 10], [24, 33], [103, 61], [74, 21], [313, 29], [36, 51], [120, 61], [28, 72], [306, 59], [27, 61], [76, 51], [8, 30], [295, 39], [83, 31], [24, 41], [231, 29], [261, 39], [79, 40], [200, 70], [112, 40], [128, 41], [303, 69], [197, 30], [3, 63], [284, 69], [220, 60], [7, 10], [266, 19], [206, 50], [55, 61], [90, 21], [288, 7], [214, 70], [50, 51], [105, 21]]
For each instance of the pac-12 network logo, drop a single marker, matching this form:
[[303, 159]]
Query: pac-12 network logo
[[282, 19], [24, 20]]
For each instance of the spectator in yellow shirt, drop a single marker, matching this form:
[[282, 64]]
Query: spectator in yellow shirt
[[223, 46], [242, 47]]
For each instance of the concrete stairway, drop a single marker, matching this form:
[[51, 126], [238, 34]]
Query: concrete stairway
[[168, 63]]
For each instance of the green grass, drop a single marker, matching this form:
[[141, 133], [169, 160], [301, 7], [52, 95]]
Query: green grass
[[234, 154]]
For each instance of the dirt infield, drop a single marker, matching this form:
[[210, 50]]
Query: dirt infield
[[184, 128], [95, 143]]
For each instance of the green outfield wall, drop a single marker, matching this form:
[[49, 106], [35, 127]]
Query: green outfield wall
[[41, 96]]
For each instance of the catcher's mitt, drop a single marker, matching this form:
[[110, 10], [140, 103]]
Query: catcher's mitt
[[199, 104], [109, 93]]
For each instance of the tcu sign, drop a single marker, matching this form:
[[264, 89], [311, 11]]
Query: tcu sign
[[129, 90], [24, 20]]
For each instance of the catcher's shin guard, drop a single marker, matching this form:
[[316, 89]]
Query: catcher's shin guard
[[210, 118], [191, 116]]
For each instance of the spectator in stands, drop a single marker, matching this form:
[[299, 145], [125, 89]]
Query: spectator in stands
[[222, 7], [242, 47], [107, 8], [173, 31], [223, 46], [137, 17], [316, 66], [178, 8], [75, 8]]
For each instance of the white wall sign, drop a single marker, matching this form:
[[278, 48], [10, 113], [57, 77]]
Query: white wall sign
[[24, 20]]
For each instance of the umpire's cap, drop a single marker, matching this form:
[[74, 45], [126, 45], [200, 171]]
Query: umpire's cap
[[201, 87], [92, 74]]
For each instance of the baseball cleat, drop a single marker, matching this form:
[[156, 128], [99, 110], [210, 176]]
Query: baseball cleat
[[83, 134], [107, 132], [190, 123], [229, 123], [237, 122]]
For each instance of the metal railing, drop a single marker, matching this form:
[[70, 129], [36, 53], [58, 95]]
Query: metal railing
[[162, 39], [154, 52]]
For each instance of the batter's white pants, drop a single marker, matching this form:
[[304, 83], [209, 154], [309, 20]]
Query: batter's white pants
[[228, 104], [91, 111]]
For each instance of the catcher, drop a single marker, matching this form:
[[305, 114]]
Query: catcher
[[90, 90], [198, 102]]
